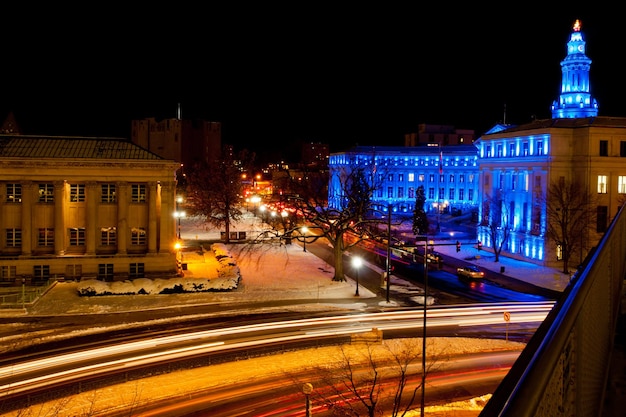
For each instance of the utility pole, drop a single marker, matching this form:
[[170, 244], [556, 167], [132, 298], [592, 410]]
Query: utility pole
[[388, 268], [424, 330]]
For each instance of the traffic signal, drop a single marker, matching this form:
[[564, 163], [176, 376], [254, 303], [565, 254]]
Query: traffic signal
[[458, 246]]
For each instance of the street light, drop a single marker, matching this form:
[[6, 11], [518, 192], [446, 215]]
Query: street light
[[424, 328], [307, 389], [255, 200], [304, 229], [356, 264], [178, 214]]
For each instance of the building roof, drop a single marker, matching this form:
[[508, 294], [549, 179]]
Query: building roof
[[19, 146], [584, 122], [411, 150]]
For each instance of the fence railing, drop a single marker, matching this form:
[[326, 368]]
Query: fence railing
[[563, 370]]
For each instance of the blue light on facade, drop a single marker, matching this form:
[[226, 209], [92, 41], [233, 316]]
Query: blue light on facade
[[575, 100]]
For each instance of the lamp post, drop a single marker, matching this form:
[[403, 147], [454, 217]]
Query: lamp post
[[255, 200], [356, 264], [424, 329], [178, 214], [304, 229], [307, 389]]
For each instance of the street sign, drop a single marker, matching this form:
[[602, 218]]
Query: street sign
[[507, 316]]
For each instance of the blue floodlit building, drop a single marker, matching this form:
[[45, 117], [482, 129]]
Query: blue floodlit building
[[449, 175], [518, 162]]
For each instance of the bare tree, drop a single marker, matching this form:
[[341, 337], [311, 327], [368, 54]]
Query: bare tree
[[497, 220], [214, 190], [357, 381], [352, 216], [570, 211]]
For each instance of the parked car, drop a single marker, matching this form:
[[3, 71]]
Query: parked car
[[470, 271]]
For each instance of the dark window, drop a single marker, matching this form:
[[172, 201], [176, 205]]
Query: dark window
[[601, 219], [622, 148], [14, 238], [46, 236], [604, 148], [77, 236], [41, 273], [136, 270], [105, 272]]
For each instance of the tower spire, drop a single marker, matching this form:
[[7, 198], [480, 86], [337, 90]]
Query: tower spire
[[575, 100]]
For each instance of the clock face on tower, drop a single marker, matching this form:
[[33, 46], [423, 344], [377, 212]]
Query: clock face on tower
[[581, 48]]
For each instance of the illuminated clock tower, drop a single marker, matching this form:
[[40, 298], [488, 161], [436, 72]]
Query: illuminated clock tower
[[575, 100]]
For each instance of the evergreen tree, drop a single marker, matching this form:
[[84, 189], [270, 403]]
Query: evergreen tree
[[420, 219]]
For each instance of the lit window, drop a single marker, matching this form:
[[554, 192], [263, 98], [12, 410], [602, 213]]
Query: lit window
[[14, 193], [138, 236], [108, 236], [411, 177], [539, 147], [138, 193], [46, 193], [601, 184], [77, 193], [108, 193], [621, 184]]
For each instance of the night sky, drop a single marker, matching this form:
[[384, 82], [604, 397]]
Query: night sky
[[274, 76]]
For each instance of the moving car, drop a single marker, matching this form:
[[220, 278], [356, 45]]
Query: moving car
[[470, 271]]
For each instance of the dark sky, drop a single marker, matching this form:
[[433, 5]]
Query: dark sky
[[274, 75]]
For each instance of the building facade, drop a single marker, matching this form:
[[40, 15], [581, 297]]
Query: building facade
[[576, 145], [449, 175], [78, 208], [185, 141]]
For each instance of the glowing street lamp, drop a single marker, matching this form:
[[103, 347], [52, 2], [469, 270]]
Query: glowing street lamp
[[255, 199], [178, 215], [307, 389], [304, 229], [356, 264]]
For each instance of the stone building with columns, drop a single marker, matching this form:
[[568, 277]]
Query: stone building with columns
[[82, 207]]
